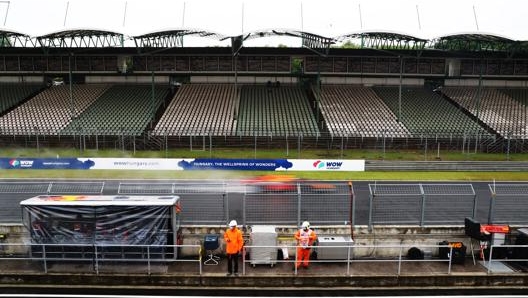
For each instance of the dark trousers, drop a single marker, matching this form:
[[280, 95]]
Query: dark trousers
[[232, 263]]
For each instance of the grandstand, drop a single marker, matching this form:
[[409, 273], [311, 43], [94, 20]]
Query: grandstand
[[13, 94], [117, 110], [499, 110], [393, 90], [50, 111], [357, 110], [199, 109], [275, 110], [425, 112]]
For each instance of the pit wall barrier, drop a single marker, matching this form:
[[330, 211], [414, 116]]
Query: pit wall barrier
[[379, 237]]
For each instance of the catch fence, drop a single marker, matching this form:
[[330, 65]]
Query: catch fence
[[421, 204], [508, 204]]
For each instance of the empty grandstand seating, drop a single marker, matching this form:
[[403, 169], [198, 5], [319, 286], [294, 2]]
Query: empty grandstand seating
[[497, 109], [425, 112], [275, 111], [121, 109], [199, 109], [14, 93], [358, 111], [51, 110]]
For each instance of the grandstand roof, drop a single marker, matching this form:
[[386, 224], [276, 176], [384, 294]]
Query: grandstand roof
[[81, 38], [371, 20], [172, 37], [385, 40], [9, 38], [319, 44], [474, 41]]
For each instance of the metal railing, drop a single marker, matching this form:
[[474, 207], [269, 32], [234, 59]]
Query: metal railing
[[95, 255], [506, 260], [400, 258], [429, 144], [94, 259]]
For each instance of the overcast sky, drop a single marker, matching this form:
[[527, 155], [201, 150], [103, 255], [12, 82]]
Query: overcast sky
[[331, 18]]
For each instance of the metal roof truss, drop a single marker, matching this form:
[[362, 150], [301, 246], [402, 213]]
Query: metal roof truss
[[316, 43], [475, 43], [81, 40], [12, 39]]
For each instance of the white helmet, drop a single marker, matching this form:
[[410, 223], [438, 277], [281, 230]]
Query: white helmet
[[305, 224], [233, 223]]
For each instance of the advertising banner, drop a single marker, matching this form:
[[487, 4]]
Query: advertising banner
[[182, 164]]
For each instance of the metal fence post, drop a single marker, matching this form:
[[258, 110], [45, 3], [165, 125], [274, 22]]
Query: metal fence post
[[400, 260], [348, 259], [450, 259], [371, 199], [422, 215], [148, 259], [492, 206], [96, 260], [299, 203], [44, 258]]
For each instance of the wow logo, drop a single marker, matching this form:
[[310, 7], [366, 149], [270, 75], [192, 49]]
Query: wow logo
[[328, 165], [319, 164], [14, 163]]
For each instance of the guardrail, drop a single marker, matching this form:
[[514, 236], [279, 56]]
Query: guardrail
[[506, 260], [96, 255], [349, 260]]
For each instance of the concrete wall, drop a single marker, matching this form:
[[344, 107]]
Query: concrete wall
[[21, 79], [485, 83], [364, 240], [367, 82], [243, 79], [127, 79]]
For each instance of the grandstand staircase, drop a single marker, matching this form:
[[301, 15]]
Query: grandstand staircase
[[310, 93]]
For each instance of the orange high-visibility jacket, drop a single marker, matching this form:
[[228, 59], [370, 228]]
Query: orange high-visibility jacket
[[234, 240], [305, 238]]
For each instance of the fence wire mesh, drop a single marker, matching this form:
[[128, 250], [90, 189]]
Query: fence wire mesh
[[322, 203], [271, 207], [24, 187], [201, 203], [508, 203], [421, 204], [76, 188], [145, 188]]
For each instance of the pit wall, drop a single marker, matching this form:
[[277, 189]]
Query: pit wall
[[378, 236], [407, 236]]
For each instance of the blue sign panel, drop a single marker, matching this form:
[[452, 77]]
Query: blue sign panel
[[235, 164], [45, 163]]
